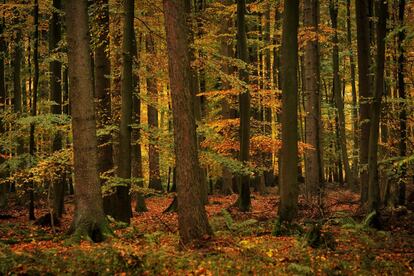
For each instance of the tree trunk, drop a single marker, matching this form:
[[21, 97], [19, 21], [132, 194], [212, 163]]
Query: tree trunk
[[354, 113], [339, 101], [373, 184], [289, 152], [33, 111], [403, 107], [244, 202], [313, 158], [89, 220], [123, 211], [192, 217], [153, 153], [136, 154], [102, 68], [3, 49], [55, 68], [364, 87]]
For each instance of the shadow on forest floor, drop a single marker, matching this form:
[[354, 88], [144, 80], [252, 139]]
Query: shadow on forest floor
[[243, 243]]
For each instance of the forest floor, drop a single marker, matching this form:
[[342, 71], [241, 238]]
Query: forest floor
[[243, 243]]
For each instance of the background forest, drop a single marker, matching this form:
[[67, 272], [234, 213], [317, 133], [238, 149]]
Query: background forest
[[207, 137]]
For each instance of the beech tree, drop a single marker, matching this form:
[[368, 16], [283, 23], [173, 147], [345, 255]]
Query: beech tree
[[89, 220], [288, 172], [192, 218]]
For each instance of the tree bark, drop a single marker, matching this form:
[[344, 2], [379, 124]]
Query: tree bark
[[102, 68], [354, 113], [192, 217], [313, 158], [244, 201], [55, 68], [339, 101], [153, 153], [381, 31], [136, 154], [289, 152], [403, 105], [123, 211], [89, 220], [364, 87]]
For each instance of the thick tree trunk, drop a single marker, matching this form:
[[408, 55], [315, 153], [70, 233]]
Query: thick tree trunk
[[364, 87], [339, 101], [381, 8], [89, 220], [123, 211], [192, 217], [153, 153], [313, 158], [55, 68], [289, 152], [243, 201]]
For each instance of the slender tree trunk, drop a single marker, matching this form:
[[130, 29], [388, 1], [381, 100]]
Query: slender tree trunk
[[226, 50], [373, 190], [102, 68], [33, 111], [89, 220], [136, 154], [3, 49], [402, 96], [364, 88], [354, 113], [123, 211], [313, 158], [339, 101], [153, 153], [289, 153], [192, 217], [243, 201], [55, 68]]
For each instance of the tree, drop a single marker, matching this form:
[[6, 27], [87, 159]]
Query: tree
[[288, 172], [55, 68], [89, 220], [123, 204], [243, 201], [354, 93], [339, 101], [192, 217], [402, 96], [313, 158], [3, 48], [381, 8], [364, 89], [33, 110], [102, 67], [153, 153]]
